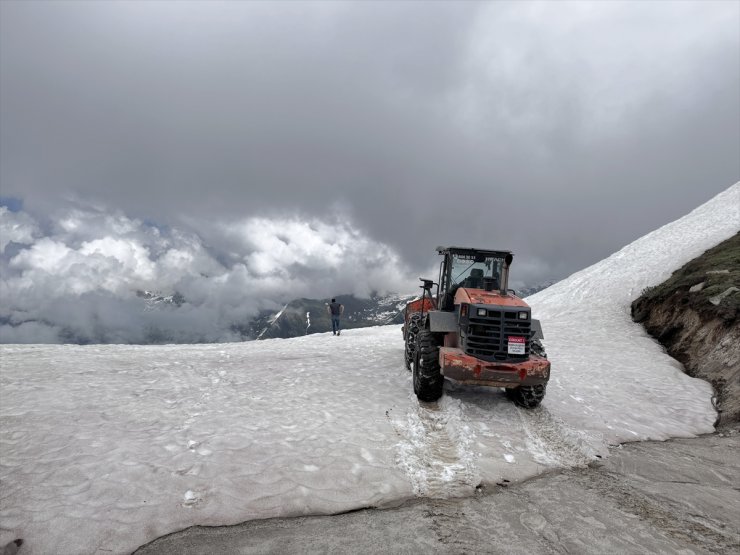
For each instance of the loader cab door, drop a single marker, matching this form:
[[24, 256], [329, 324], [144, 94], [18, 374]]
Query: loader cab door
[[445, 297]]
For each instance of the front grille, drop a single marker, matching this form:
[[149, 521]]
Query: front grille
[[486, 336]]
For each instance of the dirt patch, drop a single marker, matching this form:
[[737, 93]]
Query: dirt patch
[[694, 315]]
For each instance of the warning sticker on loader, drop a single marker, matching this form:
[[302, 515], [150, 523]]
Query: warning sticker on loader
[[516, 345]]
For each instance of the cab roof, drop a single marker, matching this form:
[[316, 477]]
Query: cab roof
[[470, 250]]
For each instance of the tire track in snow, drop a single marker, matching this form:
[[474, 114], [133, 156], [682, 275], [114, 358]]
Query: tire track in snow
[[552, 442], [435, 449]]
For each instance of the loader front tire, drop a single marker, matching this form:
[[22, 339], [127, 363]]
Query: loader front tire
[[427, 378], [411, 332], [527, 396]]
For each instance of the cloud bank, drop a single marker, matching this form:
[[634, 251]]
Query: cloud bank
[[560, 130], [81, 277]]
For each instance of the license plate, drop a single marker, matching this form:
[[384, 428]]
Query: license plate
[[516, 345]]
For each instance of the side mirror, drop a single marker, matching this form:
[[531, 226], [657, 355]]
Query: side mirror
[[427, 283]]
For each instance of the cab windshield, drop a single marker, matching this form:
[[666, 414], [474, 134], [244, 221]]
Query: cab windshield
[[468, 270]]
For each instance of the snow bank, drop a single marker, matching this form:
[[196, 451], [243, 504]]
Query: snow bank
[[103, 448], [609, 375]]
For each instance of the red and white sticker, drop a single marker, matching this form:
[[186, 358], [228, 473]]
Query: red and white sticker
[[516, 345]]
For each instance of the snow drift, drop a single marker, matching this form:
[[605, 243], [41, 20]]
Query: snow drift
[[107, 447]]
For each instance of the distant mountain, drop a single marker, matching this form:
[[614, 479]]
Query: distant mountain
[[528, 290], [307, 316], [297, 318], [154, 300]]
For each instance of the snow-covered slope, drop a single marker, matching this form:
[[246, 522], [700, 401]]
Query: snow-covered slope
[[609, 375], [103, 448]]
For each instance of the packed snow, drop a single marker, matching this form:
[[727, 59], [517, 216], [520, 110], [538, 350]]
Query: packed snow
[[104, 448]]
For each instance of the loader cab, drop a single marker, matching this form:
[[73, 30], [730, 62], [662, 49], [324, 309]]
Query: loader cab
[[473, 269]]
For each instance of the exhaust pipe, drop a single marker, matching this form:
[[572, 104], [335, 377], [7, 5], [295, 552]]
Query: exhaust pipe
[[508, 259]]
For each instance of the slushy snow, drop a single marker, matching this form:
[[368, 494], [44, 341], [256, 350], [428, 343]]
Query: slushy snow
[[104, 448]]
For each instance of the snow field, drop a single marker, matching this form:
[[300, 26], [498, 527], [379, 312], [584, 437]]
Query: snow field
[[117, 445]]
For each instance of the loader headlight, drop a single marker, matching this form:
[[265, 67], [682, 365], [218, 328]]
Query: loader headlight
[[482, 312], [523, 315]]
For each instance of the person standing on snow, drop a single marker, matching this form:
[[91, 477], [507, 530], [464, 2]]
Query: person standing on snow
[[335, 310]]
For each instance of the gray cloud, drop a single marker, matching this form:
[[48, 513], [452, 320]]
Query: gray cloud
[[83, 280], [560, 130]]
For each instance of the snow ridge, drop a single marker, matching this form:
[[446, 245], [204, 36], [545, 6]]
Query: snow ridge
[[652, 258]]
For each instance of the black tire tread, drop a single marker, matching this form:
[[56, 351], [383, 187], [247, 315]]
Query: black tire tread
[[527, 396], [536, 348], [411, 332], [428, 379]]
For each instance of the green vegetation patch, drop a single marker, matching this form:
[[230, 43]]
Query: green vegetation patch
[[711, 274]]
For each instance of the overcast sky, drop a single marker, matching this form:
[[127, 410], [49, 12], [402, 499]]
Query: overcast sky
[[304, 136]]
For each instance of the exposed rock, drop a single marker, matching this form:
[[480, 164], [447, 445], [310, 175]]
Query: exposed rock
[[698, 287], [726, 293]]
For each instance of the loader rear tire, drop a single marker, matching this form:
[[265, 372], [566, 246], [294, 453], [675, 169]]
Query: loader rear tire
[[411, 333], [427, 377], [527, 396]]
